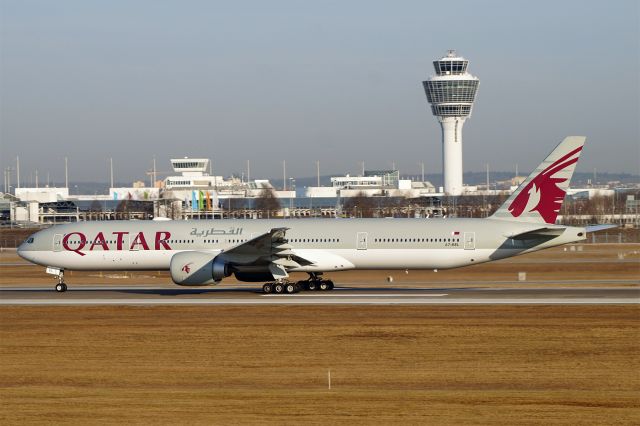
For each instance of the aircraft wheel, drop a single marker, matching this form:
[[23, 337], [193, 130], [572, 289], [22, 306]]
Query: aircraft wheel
[[61, 287], [267, 288], [312, 285], [330, 284], [290, 288], [298, 287], [324, 286], [278, 288]]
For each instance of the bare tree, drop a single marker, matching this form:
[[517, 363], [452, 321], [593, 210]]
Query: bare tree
[[359, 206], [95, 207], [267, 202]]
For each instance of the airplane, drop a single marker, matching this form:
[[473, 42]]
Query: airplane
[[205, 252]]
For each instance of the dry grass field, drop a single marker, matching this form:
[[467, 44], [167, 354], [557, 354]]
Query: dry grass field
[[269, 365]]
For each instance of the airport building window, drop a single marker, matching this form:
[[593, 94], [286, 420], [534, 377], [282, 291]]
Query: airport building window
[[451, 110], [187, 164], [450, 66], [439, 91]]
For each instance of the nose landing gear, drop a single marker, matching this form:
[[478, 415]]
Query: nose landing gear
[[61, 287]]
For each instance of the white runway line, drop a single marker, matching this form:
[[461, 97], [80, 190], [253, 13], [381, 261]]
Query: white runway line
[[84, 287], [356, 295]]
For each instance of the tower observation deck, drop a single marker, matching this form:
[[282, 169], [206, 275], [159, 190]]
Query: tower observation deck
[[451, 93]]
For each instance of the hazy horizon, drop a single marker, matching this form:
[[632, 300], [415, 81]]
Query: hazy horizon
[[338, 82]]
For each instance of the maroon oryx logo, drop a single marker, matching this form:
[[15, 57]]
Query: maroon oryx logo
[[545, 188], [186, 268]]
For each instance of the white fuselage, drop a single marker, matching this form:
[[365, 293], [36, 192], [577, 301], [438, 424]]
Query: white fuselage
[[329, 245]]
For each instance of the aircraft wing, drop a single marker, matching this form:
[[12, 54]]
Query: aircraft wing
[[270, 248], [547, 233]]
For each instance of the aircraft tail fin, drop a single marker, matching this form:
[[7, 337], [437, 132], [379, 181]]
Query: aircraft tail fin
[[539, 198]]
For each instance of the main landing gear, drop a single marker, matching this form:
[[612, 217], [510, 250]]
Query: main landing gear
[[280, 287], [313, 283]]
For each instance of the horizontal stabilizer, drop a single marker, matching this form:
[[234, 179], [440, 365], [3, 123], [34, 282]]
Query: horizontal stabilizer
[[596, 228], [547, 233]]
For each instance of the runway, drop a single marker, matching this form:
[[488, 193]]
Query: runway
[[154, 295]]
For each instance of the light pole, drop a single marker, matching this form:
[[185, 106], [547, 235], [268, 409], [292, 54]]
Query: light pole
[[291, 188]]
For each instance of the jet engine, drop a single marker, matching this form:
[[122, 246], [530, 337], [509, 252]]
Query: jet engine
[[193, 268]]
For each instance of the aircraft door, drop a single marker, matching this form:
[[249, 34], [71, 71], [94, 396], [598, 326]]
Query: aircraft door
[[361, 241], [469, 240], [57, 242]]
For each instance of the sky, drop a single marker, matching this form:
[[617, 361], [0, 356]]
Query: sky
[[338, 82]]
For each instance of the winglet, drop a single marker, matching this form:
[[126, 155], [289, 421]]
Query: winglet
[[540, 197]]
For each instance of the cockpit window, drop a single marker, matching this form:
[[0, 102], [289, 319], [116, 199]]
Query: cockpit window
[[29, 240]]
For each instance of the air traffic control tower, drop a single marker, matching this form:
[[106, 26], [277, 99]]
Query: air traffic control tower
[[451, 93]]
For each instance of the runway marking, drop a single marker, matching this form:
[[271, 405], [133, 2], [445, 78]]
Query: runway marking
[[433, 283], [356, 295], [310, 301]]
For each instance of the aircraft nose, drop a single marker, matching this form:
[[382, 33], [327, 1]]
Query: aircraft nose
[[24, 251], [21, 251]]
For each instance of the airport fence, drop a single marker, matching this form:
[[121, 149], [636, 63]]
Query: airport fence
[[13, 237], [621, 236]]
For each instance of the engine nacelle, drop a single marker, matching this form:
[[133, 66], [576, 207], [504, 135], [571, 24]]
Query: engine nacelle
[[194, 268]]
